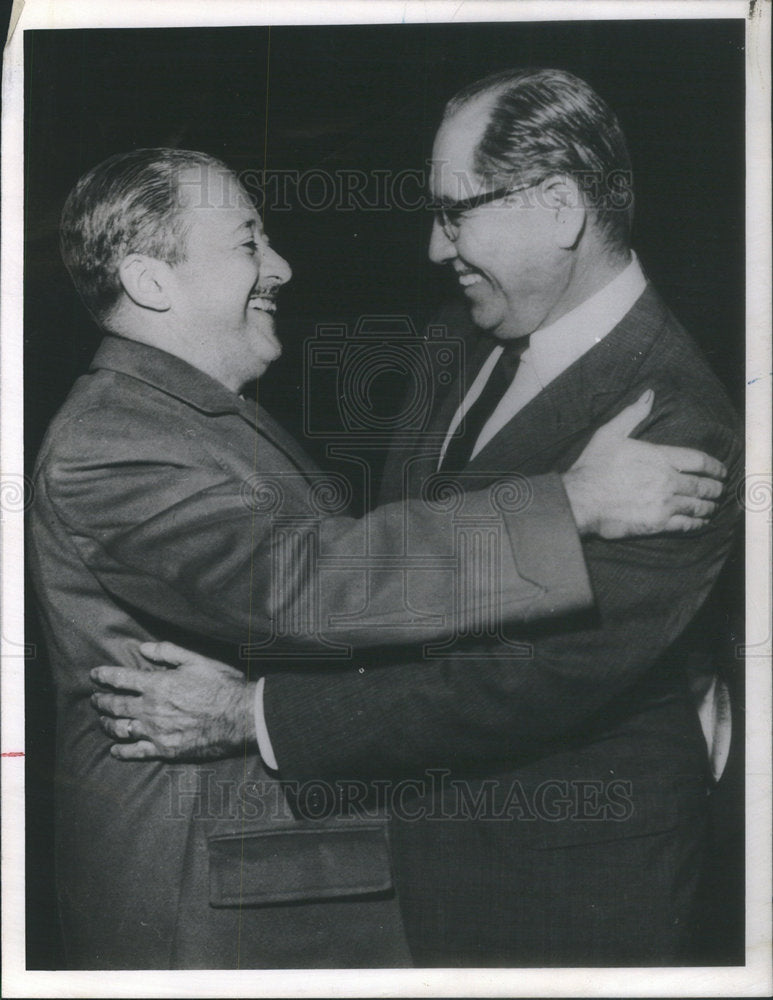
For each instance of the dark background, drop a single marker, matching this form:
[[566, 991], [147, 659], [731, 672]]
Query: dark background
[[369, 98]]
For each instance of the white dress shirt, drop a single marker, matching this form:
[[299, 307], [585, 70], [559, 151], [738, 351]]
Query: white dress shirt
[[551, 350]]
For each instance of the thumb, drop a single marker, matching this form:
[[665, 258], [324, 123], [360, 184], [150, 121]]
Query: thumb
[[628, 420]]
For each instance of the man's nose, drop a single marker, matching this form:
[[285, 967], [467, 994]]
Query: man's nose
[[273, 268], [441, 249]]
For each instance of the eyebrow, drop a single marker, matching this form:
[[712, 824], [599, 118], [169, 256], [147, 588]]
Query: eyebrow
[[250, 224]]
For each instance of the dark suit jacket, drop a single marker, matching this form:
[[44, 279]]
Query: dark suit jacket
[[587, 741], [167, 508]]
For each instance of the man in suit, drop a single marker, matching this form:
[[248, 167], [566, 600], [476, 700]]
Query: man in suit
[[558, 810], [168, 505]]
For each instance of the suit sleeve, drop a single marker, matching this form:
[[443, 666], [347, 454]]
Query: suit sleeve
[[168, 529], [466, 709]]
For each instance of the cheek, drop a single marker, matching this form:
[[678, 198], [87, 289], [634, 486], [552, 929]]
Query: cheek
[[502, 258], [228, 292], [482, 250], [246, 275], [525, 265]]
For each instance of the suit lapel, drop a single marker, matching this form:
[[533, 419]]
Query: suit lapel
[[268, 428], [175, 377], [580, 396]]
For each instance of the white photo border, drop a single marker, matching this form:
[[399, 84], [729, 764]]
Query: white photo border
[[755, 978]]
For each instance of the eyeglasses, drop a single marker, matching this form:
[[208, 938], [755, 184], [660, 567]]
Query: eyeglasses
[[448, 215]]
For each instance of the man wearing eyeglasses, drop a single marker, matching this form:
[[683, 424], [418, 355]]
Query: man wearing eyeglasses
[[560, 786]]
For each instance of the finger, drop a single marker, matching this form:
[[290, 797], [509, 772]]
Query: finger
[[681, 522], [116, 705], [123, 678], [142, 750], [122, 729], [628, 420], [694, 507], [166, 652], [698, 486], [691, 460]]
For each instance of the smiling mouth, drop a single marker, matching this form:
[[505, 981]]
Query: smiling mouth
[[263, 303], [468, 278]]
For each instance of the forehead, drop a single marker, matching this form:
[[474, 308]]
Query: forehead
[[453, 175], [213, 198]]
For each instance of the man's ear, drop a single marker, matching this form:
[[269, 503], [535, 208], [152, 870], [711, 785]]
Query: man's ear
[[562, 195], [144, 281]]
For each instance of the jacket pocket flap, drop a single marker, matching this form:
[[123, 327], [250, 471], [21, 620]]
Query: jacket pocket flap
[[298, 863]]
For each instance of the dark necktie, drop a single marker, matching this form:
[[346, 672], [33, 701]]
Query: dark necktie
[[461, 444]]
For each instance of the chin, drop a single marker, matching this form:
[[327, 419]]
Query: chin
[[487, 315], [267, 344], [481, 318], [511, 327], [268, 357]]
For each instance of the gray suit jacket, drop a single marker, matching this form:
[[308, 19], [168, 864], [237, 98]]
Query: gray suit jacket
[[167, 508]]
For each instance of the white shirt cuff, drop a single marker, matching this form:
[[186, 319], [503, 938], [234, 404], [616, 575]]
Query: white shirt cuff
[[264, 740]]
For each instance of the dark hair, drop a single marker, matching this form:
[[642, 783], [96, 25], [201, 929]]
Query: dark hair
[[546, 121], [130, 203]]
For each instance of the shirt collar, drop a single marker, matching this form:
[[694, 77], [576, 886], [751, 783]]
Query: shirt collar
[[554, 348]]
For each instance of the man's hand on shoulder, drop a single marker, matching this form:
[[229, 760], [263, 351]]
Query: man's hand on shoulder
[[621, 487], [194, 707]]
